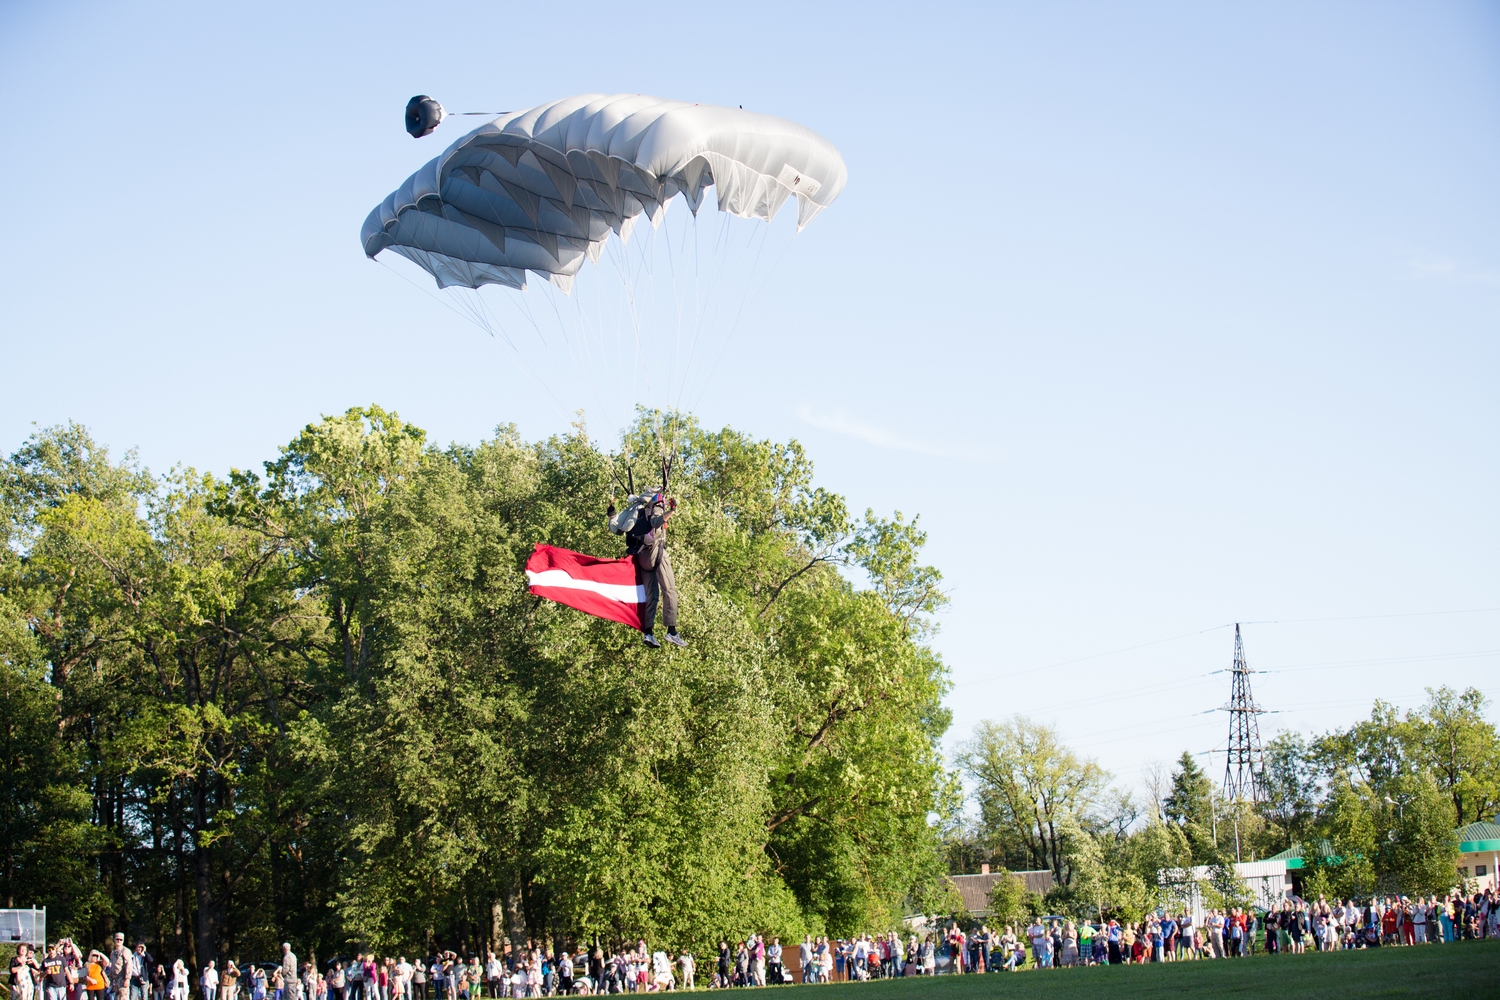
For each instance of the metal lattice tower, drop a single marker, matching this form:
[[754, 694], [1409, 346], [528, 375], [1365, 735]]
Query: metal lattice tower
[[1245, 761]]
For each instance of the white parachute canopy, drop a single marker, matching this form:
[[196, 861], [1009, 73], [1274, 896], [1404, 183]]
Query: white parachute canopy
[[541, 190]]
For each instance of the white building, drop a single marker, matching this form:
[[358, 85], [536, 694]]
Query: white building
[[1267, 881]]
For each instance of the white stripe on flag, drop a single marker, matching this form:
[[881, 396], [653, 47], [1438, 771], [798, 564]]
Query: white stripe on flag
[[625, 593]]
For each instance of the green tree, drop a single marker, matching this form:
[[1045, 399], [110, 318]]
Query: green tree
[[1029, 784], [1103, 884], [1291, 783], [1346, 868], [1420, 855], [1010, 903], [1223, 889], [1461, 749], [319, 702], [1190, 806], [45, 837]]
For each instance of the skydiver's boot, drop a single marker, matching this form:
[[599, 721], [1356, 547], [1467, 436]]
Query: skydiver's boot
[[674, 638], [652, 640]]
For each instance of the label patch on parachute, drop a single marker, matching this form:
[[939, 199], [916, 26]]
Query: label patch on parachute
[[799, 183]]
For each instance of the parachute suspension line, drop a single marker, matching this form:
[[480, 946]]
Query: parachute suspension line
[[585, 371], [675, 385], [648, 271], [744, 300], [496, 333], [452, 304], [623, 268], [594, 374], [719, 254], [730, 263], [644, 269]]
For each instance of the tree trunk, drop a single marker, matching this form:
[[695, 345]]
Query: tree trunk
[[206, 926], [513, 928]]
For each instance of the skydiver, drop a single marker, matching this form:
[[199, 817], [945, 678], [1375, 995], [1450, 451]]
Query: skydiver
[[646, 545]]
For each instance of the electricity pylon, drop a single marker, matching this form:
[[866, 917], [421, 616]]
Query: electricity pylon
[[1244, 765]]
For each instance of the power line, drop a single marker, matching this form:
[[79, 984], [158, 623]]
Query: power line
[[1215, 628], [1423, 658], [1366, 618]]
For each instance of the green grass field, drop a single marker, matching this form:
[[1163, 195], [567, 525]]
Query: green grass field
[[1467, 970]]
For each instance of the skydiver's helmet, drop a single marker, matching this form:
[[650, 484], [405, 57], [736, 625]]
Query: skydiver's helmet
[[635, 506]]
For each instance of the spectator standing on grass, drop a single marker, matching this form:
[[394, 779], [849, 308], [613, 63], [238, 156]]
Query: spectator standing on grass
[[208, 981], [405, 971], [95, 982], [494, 973], [118, 971], [25, 972], [54, 976], [742, 964], [291, 987]]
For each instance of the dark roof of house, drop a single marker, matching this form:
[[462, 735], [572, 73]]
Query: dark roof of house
[[975, 889]]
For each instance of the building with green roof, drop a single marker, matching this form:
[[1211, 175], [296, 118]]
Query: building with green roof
[[1478, 853]]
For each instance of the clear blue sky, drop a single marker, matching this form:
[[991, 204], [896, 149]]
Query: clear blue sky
[[1162, 315]]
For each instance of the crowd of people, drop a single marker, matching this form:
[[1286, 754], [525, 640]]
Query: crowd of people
[[64, 971], [1288, 928]]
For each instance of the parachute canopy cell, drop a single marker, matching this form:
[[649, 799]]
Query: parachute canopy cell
[[541, 190], [423, 116]]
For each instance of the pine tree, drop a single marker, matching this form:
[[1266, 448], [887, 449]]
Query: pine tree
[[1190, 806]]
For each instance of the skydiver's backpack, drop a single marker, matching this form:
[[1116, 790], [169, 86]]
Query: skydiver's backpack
[[625, 520]]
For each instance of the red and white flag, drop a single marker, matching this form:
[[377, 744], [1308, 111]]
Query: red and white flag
[[605, 588]]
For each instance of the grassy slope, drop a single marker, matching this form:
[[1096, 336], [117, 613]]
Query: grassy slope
[[1465, 971]]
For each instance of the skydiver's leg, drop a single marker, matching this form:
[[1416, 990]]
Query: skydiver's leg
[[653, 598], [668, 584]]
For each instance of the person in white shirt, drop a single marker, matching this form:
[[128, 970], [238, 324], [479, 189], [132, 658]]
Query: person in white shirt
[[1419, 922], [1037, 934], [210, 981]]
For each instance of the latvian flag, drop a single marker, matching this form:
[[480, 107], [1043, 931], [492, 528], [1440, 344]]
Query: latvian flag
[[606, 588]]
